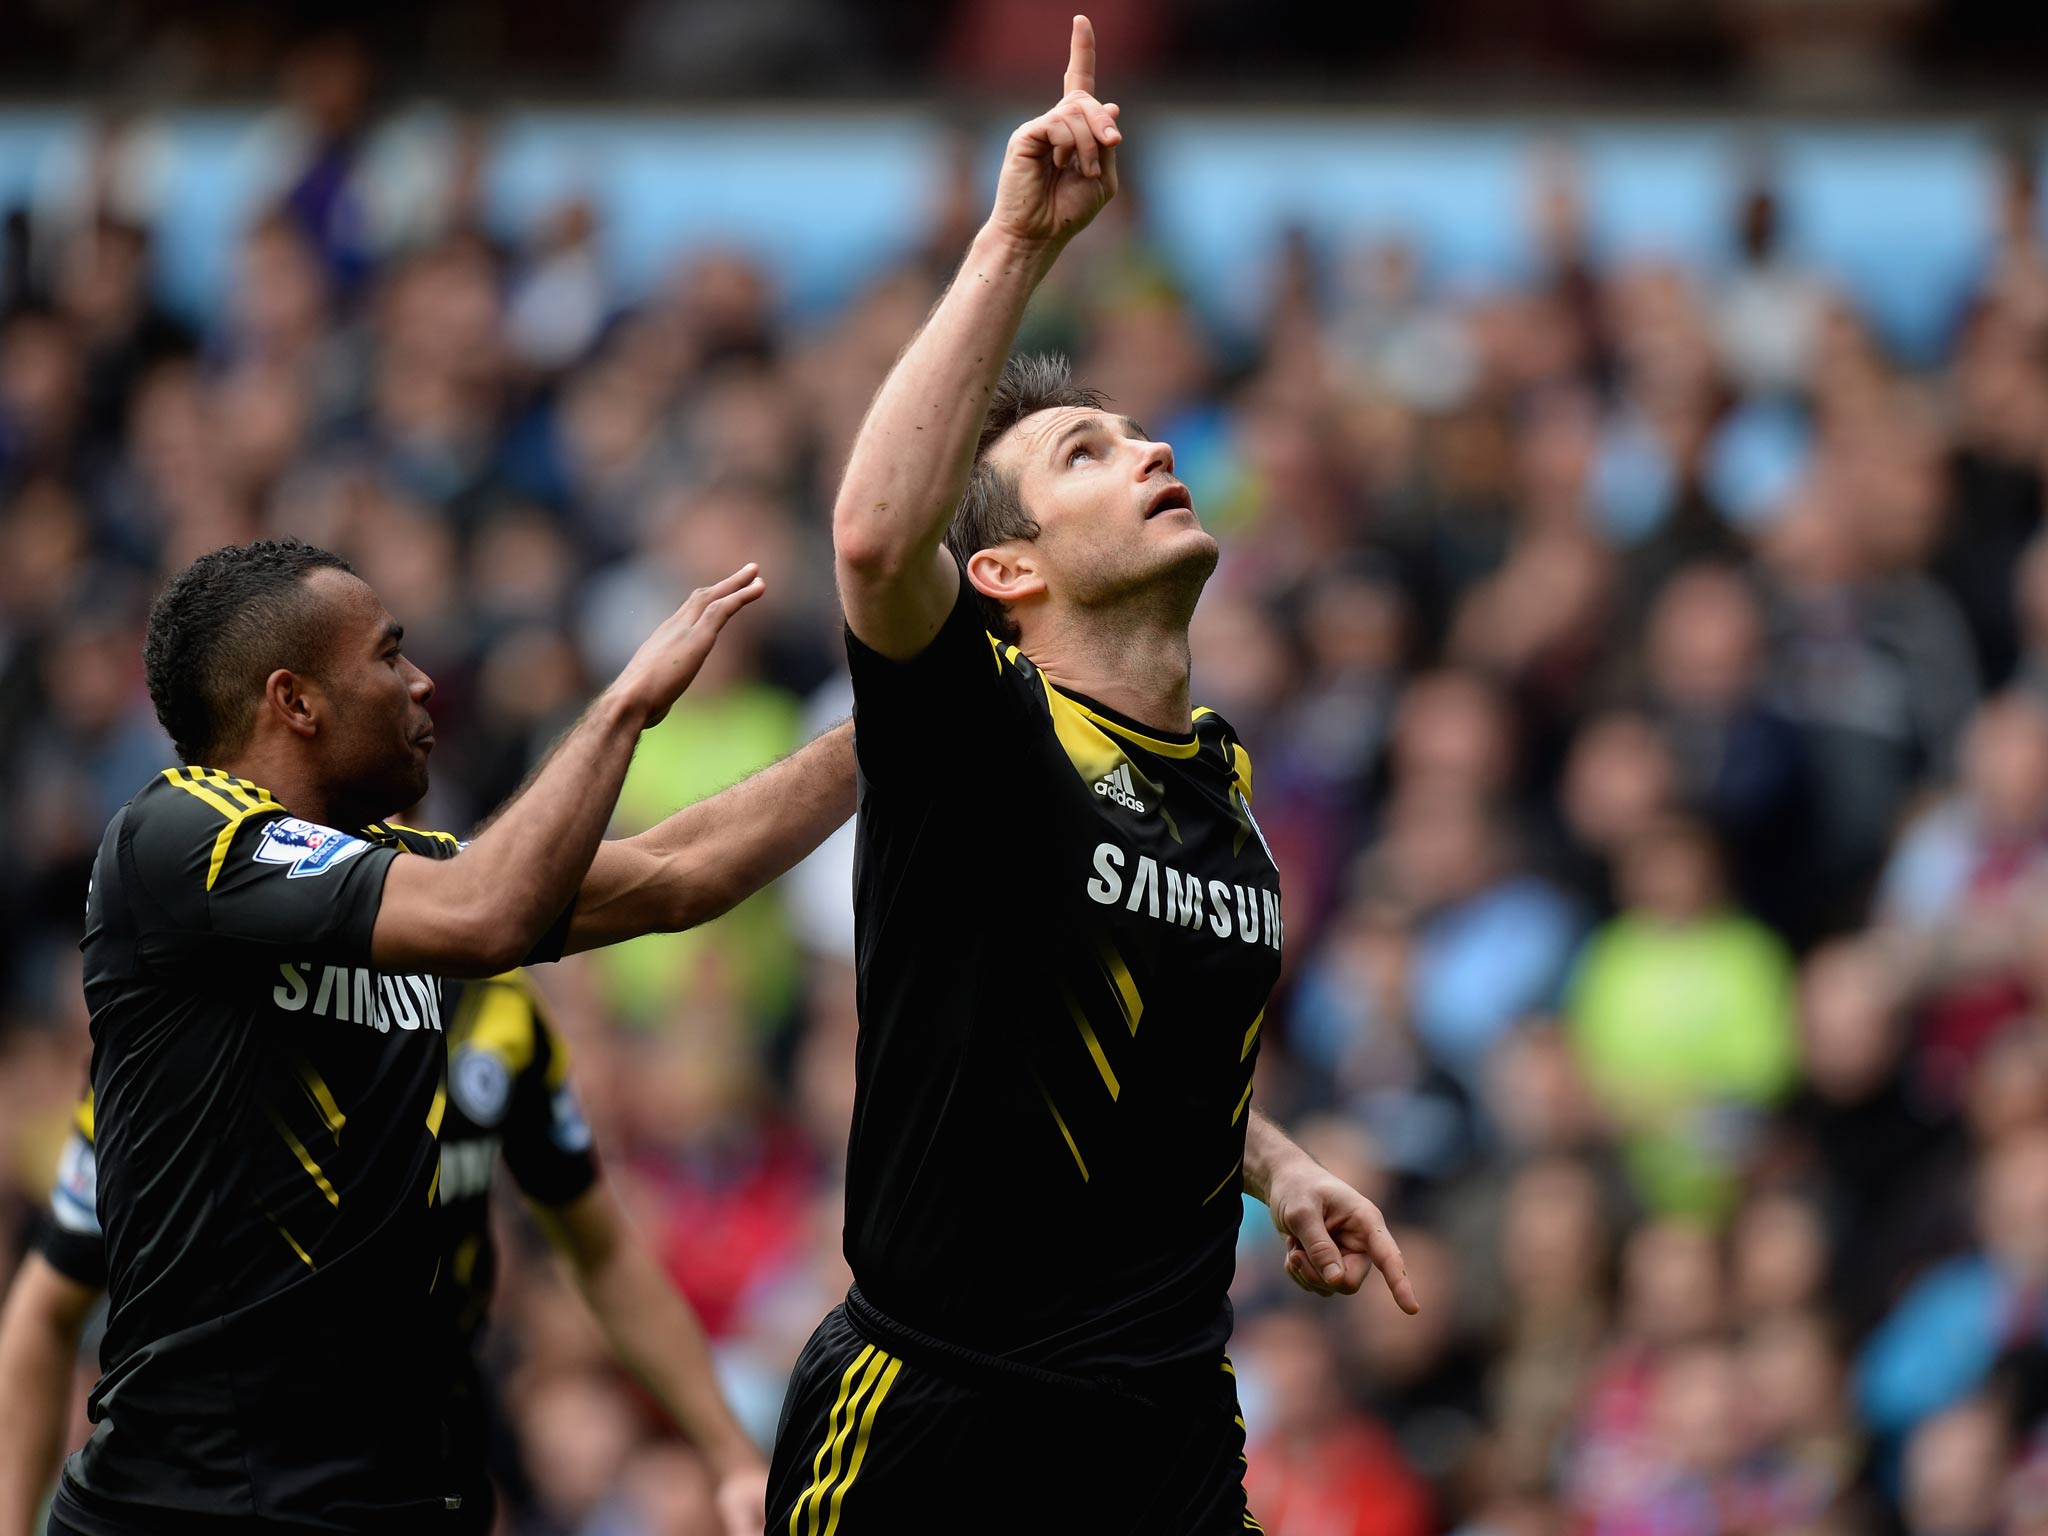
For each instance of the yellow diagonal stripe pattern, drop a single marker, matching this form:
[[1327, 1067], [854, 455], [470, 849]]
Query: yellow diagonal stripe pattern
[[323, 1099], [1094, 1048], [1220, 1185], [305, 1158], [1126, 989], [1251, 1034], [1065, 1134]]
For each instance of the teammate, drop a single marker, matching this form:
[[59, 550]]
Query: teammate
[[262, 966], [508, 1093], [1068, 926]]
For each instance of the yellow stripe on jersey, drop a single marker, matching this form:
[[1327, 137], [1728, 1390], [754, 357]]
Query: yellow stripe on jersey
[[1157, 744], [439, 1109], [860, 1445], [1228, 1368], [1241, 766], [301, 1252], [305, 1158], [82, 1116], [1252, 1034], [869, 1359], [1065, 1134], [1235, 1113], [323, 1099], [1126, 989], [440, 837], [1221, 1185], [210, 791], [1094, 1048]]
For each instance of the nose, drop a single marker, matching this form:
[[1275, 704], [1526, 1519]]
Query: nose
[[418, 684], [1158, 459]]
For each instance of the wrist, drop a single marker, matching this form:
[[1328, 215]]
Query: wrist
[[617, 709], [1000, 251]]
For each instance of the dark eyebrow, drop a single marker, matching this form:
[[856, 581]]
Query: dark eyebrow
[[394, 634], [1089, 424]]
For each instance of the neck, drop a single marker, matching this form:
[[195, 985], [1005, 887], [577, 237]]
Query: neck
[[296, 789], [1136, 662]]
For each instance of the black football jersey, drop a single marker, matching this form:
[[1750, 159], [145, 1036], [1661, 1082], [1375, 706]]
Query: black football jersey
[[266, 1113], [1068, 927]]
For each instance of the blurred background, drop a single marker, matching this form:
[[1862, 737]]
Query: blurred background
[[1626, 423]]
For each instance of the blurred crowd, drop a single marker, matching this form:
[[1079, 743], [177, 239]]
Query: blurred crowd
[[1647, 678]]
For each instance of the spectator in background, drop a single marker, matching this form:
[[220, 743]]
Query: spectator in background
[[1864, 1132], [1681, 1014], [1491, 943], [1969, 858], [1739, 763], [1314, 1464], [1940, 1344]]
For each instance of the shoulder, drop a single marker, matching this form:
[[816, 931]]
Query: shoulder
[[496, 1036], [420, 840], [181, 824]]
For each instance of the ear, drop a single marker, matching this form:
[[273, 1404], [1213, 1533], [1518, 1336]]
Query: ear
[[1008, 573], [293, 702]]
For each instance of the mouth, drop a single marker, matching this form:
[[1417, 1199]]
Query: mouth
[[1171, 497]]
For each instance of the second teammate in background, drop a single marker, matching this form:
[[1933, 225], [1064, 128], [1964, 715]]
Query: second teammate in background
[[1068, 928]]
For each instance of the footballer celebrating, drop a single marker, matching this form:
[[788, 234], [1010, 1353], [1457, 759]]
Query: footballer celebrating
[[263, 963], [1068, 928]]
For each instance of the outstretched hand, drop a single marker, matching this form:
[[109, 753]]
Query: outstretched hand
[[1335, 1236], [1060, 168], [668, 659]]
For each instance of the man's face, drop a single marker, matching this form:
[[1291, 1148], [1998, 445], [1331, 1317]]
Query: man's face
[[378, 734], [1113, 521]]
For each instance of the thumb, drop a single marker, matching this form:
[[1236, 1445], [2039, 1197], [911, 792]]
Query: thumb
[[1304, 1221]]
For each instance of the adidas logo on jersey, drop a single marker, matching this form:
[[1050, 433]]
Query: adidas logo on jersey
[[1116, 785]]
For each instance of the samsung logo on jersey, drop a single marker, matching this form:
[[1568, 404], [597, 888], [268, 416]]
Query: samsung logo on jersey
[[354, 994], [1157, 890]]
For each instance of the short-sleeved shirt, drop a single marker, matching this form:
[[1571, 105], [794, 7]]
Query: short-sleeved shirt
[[266, 1108], [1068, 925], [69, 1236], [508, 1092]]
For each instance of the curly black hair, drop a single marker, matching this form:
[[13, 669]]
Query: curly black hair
[[222, 626], [991, 510]]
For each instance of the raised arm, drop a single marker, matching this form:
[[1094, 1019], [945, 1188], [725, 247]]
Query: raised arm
[[909, 464], [711, 856], [482, 911]]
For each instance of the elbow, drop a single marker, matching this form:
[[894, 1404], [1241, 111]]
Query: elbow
[[863, 550], [487, 944]]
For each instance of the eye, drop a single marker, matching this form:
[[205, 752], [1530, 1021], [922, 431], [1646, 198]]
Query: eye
[[1078, 454]]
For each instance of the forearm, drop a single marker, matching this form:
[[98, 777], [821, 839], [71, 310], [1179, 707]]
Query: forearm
[[484, 909], [38, 1342], [709, 857], [910, 461], [653, 1333], [1267, 1153]]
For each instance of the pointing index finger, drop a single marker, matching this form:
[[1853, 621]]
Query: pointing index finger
[[1081, 57]]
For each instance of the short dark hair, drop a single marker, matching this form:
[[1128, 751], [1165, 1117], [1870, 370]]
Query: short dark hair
[[991, 510], [223, 625]]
